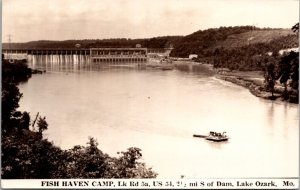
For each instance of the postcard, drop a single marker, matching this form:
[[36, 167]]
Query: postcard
[[161, 94]]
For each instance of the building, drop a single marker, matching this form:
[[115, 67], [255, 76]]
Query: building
[[193, 56]]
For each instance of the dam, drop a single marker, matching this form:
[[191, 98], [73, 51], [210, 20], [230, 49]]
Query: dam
[[96, 55]]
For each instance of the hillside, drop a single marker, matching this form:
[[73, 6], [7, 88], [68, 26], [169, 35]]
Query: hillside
[[205, 42], [255, 36], [236, 48]]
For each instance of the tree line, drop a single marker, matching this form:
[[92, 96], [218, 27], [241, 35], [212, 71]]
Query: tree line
[[156, 42]]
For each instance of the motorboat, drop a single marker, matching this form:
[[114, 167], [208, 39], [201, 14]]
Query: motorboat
[[217, 137], [214, 136]]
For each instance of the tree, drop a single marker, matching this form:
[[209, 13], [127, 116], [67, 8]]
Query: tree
[[42, 124], [295, 72], [270, 78], [295, 64], [284, 74], [10, 102], [295, 28], [128, 166], [288, 69], [25, 120]]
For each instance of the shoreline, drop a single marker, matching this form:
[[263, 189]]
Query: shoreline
[[255, 89], [252, 80]]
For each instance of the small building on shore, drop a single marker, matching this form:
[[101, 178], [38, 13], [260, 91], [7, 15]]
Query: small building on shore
[[193, 56]]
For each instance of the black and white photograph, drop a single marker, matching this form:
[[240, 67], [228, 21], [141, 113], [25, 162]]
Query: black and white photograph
[[167, 93]]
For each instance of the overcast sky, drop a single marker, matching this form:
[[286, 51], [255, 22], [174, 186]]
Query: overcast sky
[[28, 20]]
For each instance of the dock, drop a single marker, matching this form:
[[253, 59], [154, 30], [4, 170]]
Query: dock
[[200, 136]]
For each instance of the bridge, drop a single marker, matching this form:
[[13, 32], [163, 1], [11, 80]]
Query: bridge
[[98, 54]]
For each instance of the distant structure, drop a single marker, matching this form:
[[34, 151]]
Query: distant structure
[[103, 55], [156, 53], [192, 56], [115, 55], [296, 49]]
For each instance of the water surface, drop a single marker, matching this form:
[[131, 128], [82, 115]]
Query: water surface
[[159, 111]]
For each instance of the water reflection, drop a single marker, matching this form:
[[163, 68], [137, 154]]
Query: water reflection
[[218, 145], [75, 63], [271, 114]]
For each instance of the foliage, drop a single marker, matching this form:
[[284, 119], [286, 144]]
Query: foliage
[[12, 74], [10, 103], [25, 120], [84, 162], [42, 124], [129, 167], [284, 68], [27, 155], [295, 28], [288, 71], [270, 77], [91, 162], [15, 72]]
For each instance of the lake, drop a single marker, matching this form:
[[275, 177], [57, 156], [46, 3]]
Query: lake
[[159, 111]]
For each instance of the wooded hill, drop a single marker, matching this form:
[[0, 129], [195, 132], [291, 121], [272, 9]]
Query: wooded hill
[[206, 42], [236, 48]]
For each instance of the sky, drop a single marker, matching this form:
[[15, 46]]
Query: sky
[[29, 20]]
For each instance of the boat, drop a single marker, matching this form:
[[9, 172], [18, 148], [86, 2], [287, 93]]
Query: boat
[[217, 137], [214, 136]]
